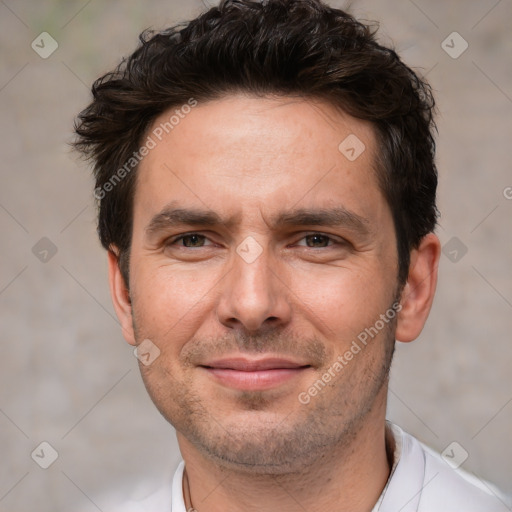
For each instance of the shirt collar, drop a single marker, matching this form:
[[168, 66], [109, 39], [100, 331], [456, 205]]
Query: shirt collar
[[406, 480], [177, 501]]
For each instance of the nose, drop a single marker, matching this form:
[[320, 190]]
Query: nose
[[254, 296]]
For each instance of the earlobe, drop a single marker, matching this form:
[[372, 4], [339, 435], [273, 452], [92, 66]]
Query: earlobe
[[120, 296], [418, 293]]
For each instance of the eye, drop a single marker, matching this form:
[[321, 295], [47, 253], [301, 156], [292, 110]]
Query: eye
[[189, 240], [318, 240]]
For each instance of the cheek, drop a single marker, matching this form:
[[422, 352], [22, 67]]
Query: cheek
[[168, 302], [342, 301]]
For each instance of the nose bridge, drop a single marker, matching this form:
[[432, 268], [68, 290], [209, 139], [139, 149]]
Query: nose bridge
[[252, 293], [252, 272], [251, 284]]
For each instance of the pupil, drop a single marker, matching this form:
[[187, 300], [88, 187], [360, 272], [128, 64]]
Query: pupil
[[194, 239], [317, 239]]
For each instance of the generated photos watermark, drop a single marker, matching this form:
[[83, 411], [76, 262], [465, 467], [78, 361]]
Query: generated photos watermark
[[368, 334], [151, 142]]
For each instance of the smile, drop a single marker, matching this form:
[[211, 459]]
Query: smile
[[244, 374]]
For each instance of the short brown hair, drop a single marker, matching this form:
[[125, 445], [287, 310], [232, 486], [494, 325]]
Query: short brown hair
[[285, 47]]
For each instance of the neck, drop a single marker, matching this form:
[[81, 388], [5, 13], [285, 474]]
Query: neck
[[349, 478]]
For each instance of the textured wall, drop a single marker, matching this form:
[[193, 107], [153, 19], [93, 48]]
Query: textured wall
[[68, 378]]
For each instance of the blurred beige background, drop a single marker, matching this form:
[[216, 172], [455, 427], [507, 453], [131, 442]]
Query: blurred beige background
[[68, 378]]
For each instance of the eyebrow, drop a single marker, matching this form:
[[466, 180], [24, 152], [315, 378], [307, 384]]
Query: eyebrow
[[170, 217], [327, 217], [332, 217]]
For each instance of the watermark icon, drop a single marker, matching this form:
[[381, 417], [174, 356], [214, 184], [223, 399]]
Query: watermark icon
[[455, 249], [151, 142], [343, 360], [454, 455], [44, 455], [146, 352], [249, 250], [507, 192], [44, 250], [44, 45], [352, 147], [454, 45]]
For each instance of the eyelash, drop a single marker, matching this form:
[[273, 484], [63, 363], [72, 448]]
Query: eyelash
[[174, 240]]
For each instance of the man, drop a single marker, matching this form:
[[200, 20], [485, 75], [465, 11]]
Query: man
[[266, 185]]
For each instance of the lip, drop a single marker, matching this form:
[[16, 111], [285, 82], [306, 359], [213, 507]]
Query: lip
[[254, 374], [250, 365]]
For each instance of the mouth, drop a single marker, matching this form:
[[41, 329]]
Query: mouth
[[254, 374]]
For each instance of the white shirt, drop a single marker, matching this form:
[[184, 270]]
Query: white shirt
[[420, 481]]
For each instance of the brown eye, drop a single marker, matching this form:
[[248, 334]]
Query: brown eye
[[191, 240], [317, 240]]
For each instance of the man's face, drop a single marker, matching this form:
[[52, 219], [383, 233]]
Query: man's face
[[250, 312]]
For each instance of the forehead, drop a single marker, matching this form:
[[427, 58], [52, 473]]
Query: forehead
[[245, 155]]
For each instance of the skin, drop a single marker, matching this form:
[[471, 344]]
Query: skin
[[304, 297]]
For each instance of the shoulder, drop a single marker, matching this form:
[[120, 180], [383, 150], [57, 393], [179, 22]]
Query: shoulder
[[155, 496], [446, 489]]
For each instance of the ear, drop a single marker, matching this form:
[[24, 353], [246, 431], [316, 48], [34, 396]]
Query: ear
[[120, 296], [418, 293]]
